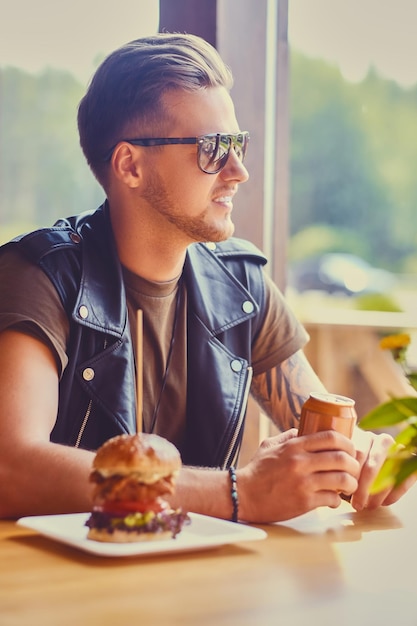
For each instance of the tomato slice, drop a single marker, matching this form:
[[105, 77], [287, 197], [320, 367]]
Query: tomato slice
[[123, 507]]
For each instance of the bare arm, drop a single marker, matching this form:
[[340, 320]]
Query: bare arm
[[281, 392], [36, 476]]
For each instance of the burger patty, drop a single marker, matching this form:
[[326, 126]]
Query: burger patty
[[128, 488]]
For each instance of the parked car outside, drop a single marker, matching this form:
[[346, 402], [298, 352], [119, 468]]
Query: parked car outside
[[339, 273]]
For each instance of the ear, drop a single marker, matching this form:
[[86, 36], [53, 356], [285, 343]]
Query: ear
[[126, 164]]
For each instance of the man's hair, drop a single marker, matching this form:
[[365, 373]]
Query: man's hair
[[125, 93]]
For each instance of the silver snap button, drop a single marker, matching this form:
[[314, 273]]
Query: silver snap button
[[211, 245], [236, 365], [88, 373], [247, 306], [83, 312], [75, 238]]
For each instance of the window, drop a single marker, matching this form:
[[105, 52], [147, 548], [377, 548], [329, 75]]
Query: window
[[48, 52]]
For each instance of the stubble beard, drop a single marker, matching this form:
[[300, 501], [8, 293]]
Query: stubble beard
[[196, 228]]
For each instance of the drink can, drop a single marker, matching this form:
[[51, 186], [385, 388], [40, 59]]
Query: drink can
[[327, 411]]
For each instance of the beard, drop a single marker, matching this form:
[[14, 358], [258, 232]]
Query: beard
[[200, 228]]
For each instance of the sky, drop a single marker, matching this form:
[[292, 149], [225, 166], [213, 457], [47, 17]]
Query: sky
[[357, 34], [353, 34], [70, 34]]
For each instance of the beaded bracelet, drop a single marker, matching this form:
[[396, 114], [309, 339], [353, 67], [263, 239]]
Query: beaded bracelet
[[233, 494]]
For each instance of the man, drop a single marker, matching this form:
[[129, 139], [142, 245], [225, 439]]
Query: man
[[158, 128]]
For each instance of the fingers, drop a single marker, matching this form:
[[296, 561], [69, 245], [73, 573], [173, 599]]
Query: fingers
[[277, 440], [330, 463], [389, 496], [371, 450], [398, 492], [334, 481], [287, 435], [283, 437], [331, 460], [371, 455], [328, 440]]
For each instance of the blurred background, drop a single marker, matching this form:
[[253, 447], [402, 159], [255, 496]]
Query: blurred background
[[353, 111], [352, 108]]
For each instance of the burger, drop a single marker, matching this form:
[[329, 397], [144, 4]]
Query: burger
[[131, 474]]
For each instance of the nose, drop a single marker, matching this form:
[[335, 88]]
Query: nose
[[234, 169]]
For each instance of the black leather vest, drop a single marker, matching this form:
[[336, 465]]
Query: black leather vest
[[225, 291]]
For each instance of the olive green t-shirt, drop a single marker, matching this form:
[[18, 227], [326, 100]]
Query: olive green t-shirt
[[29, 302]]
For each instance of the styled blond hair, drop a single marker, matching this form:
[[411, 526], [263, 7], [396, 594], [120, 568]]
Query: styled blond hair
[[125, 93]]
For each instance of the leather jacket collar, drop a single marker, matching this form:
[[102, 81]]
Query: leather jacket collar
[[210, 284]]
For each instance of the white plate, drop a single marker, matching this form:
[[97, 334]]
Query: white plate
[[203, 533]]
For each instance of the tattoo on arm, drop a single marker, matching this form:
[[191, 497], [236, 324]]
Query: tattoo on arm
[[281, 392]]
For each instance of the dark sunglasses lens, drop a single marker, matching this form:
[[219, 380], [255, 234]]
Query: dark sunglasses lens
[[240, 145], [214, 151]]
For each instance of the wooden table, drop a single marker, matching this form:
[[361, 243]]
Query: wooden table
[[329, 567]]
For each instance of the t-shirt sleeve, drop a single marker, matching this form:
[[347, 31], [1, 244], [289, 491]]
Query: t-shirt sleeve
[[281, 333], [30, 303]]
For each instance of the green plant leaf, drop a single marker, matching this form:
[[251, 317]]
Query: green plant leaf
[[407, 467], [398, 466], [386, 476], [408, 436], [391, 412]]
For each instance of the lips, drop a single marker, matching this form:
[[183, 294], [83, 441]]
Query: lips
[[225, 196]]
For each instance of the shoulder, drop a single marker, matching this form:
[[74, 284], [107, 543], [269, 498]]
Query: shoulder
[[54, 252], [17, 272], [59, 249], [65, 235]]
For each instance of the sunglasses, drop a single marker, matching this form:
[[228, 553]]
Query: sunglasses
[[212, 150]]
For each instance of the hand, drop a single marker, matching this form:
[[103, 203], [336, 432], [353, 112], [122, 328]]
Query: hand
[[371, 452], [290, 475]]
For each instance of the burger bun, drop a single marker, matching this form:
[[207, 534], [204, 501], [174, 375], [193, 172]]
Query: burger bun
[[146, 454], [123, 536]]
